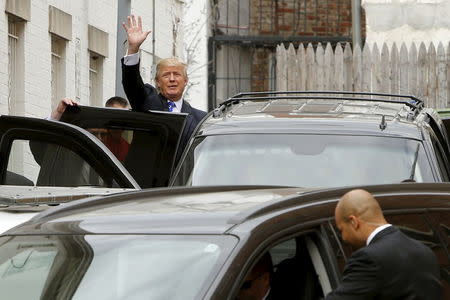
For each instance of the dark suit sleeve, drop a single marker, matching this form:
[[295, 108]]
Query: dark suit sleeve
[[359, 280], [138, 93]]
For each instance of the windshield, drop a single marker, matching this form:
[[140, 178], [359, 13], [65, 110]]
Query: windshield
[[302, 160], [110, 266]]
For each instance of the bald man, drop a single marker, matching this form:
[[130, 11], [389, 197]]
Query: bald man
[[387, 264]]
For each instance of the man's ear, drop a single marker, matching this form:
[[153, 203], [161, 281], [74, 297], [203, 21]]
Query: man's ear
[[353, 221]]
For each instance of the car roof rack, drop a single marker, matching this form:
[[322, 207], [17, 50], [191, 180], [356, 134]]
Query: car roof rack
[[414, 103]]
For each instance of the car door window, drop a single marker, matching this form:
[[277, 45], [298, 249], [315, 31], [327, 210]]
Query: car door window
[[37, 163], [441, 221], [297, 270]]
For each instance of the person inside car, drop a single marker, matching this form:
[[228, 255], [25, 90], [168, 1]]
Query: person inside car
[[256, 285]]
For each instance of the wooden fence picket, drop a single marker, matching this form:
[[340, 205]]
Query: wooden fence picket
[[338, 68], [366, 82], [329, 68], [422, 73], [432, 77], [394, 72], [441, 77], [403, 70]]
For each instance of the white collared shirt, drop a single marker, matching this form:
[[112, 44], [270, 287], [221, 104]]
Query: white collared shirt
[[378, 229]]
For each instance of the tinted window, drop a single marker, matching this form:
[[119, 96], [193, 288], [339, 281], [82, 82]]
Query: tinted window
[[139, 152], [441, 219], [297, 270], [302, 160], [109, 267], [47, 164]]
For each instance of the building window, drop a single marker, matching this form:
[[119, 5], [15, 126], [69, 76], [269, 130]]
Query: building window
[[15, 66], [58, 49], [95, 79]]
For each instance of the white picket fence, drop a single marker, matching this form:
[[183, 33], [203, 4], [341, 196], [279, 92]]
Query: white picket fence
[[422, 72]]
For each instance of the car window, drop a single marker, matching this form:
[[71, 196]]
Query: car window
[[440, 157], [297, 271], [441, 221], [303, 160], [138, 151], [110, 266], [38, 163]]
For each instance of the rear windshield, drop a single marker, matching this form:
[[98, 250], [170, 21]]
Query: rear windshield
[[110, 266], [303, 160]]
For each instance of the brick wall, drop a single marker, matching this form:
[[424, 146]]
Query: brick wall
[[326, 18]]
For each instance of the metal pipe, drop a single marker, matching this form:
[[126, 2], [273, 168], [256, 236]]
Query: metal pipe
[[153, 35], [356, 22], [123, 10]]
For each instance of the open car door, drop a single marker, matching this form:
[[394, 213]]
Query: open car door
[[144, 142], [38, 152]]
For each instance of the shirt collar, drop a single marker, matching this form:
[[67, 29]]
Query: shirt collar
[[378, 229], [178, 105]]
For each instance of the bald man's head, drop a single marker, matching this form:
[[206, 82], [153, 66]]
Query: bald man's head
[[357, 215]]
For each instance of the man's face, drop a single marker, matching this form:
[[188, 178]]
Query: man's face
[[100, 133], [171, 82], [347, 229]]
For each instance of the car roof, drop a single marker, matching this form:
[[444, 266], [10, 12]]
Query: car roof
[[366, 113], [211, 210]]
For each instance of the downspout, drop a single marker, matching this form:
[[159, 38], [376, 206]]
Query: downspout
[[356, 23], [153, 39]]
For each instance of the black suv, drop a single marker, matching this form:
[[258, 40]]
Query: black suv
[[200, 243], [306, 139], [317, 139]]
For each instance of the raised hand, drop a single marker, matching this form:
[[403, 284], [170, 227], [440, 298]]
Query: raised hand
[[135, 35]]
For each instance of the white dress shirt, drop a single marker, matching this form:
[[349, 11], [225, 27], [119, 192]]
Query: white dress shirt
[[378, 229]]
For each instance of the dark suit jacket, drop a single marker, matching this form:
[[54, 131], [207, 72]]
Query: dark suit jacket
[[392, 266], [145, 97]]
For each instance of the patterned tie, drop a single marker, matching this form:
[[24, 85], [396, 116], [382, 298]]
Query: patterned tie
[[171, 105]]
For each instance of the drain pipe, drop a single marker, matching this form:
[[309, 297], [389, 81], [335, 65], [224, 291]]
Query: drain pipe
[[153, 40], [356, 23]]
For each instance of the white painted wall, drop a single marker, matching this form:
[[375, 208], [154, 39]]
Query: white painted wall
[[171, 38], [407, 21], [3, 62]]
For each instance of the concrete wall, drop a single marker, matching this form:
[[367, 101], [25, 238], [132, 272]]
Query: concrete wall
[[407, 21]]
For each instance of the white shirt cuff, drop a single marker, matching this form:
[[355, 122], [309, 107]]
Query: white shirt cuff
[[131, 59]]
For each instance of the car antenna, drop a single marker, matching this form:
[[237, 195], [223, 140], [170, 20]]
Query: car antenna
[[383, 123]]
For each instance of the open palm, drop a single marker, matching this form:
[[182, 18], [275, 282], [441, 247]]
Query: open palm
[[135, 35]]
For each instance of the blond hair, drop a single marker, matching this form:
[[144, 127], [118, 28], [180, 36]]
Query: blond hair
[[170, 62]]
